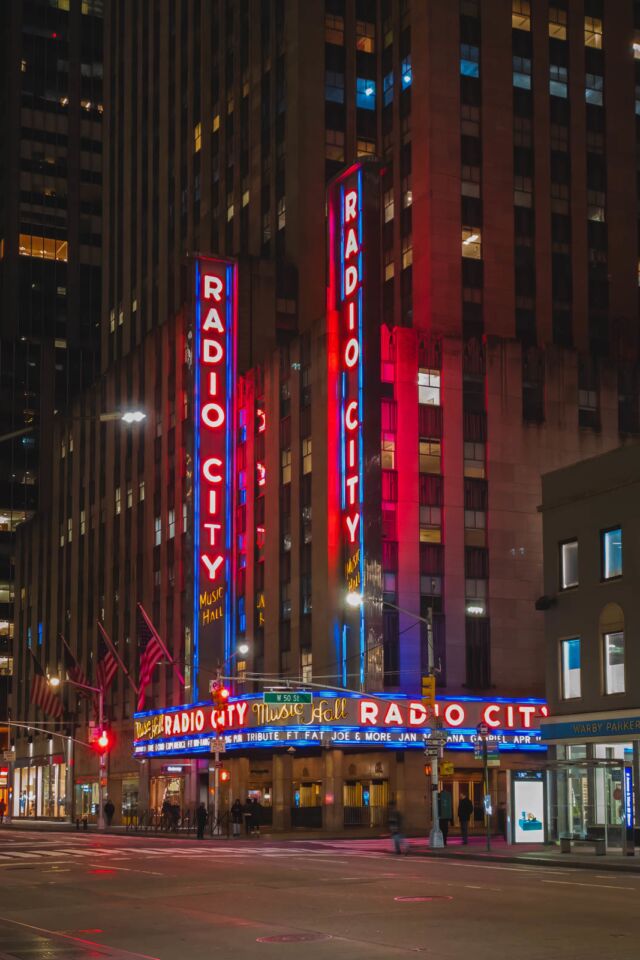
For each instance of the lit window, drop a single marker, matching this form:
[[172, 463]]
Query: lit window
[[388, 206], [215, 126], [636, 45], [365, 148], [594, 85], [475, 520], [596, 206], [306, 665], [521, 15], [334, 145], [171, 524], [387, 89], [557, 23], [472, 243], [365, 93], [614, 662], [593, 32], [429, 387], [69, 529], [141, 491], [45, 248], [430, 586], [129, 497], [611, 553], [470, 186], [474, 459], [285, 463], [83, 522], [197, 138], [389, 583], [571, 687], [522, 191], [365, 34], [558, 80], [63, 448], [406, 72], [334, 86], [569, 564], [282, 213], [430, 455], [469, 60], [158, 531], [118, 500], [230, 209], [430, 525], [306, 455], [334, 30], [588, 400], [245, 198], [475, 589], [388, 451], [407, 252], [522, 73]]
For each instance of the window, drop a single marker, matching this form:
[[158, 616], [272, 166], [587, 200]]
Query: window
[[334, 30], [594, 85], [614, 662], [430, 524], [388, 451], [474, 459], [387, 89], [185, 518], [118, 499], [469, 60], [568, 564], [611, 553], [571, 687], [158, 531], [522, 73], [43, 247], [197, 138], [593, 32], [365, 148], [365, 93], [521, 15], [69, 529], [334, 86], [470, 121], [334, 145], [306, 455], [282, 213], [472, 243], [171, 524], [430, 454], [285, 462], [407, 252], [596, 206], [306, 665], [129, 497], [406, 72], [558, 80], [470, 177], [388, 205], [83, 522], [365, 34], [557, 23], [429, 387], [141, 491]]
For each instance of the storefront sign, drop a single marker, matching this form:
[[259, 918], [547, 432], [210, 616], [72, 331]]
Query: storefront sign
[[336, 719], [588, 728], [628, 796], [215, 375]]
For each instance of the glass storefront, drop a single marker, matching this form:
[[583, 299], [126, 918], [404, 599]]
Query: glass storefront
[[130, 793], [87, 799], [40, 790]]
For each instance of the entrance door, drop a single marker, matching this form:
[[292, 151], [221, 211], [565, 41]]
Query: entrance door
[[471, 785], [365, 803]]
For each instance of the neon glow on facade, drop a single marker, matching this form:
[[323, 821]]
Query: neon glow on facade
[[215, 385]]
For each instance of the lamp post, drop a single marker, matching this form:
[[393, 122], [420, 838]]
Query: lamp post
[[125, 416], [216, 685], [102, 767]]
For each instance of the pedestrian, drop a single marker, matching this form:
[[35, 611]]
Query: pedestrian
[[109, 811], [236, 817], [166, 813], [465, 812], [3, 810], [445, 812], [394, 820], [175, 816], [247, 814], [201, 820], [256, 817]]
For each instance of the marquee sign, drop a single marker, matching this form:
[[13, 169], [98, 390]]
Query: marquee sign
[[353, 314], [337, 719], [215, 380]]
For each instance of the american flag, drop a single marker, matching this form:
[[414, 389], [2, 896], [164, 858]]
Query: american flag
[[107, 663], [152, 654], [42, 694], [75, 672]]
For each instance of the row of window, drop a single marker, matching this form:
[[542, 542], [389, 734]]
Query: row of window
[[610, 558], [613, 678], [557, 19]]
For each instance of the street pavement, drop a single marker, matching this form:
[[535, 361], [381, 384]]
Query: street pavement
[[69, 897]]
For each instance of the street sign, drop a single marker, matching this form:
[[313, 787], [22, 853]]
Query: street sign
[[287, 696], [483, 730], [446, 769], [429, 691], [218, 745], [431, 751], [8, 755], [493, 761]]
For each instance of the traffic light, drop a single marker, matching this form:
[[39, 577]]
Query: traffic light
[[225, 776], [220, 694], [429, 691], [103, 741]]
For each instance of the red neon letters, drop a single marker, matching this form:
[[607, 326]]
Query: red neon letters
[[212, 416], [350, 360]]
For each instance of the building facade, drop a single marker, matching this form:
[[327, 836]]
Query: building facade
[[496, 338], [590, 524]]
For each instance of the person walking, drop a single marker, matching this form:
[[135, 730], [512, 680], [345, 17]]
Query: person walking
[[109, 811], [256, 817], [465, 812], [247, 814], [201, 820], [236, 817], [445, 813], [394, 820], [3, 810]]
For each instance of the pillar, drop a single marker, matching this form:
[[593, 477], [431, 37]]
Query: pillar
[[282, 777], [333, 793]]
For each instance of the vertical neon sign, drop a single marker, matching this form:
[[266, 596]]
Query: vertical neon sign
[[354, 367], [214, 466]]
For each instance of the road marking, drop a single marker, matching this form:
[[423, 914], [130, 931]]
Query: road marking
[[600, 886], [151, 873], [473, 886], [92, 943]]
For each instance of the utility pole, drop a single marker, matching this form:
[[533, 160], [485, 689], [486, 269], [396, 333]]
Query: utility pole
[[434, 745], [483, 732], [102, 775]]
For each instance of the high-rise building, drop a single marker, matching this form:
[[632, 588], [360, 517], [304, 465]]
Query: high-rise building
[[51, 109], [495, 149]]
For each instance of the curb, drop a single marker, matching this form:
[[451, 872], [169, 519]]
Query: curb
[[622, 866]]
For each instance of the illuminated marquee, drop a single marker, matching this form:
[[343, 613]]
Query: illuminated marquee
[[215, 364]]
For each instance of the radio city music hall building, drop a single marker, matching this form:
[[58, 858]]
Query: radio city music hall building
[[359, 399]]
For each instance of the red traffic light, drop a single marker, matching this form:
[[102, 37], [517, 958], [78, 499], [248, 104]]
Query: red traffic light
[[225, 776], [220, 695], [104, 741]]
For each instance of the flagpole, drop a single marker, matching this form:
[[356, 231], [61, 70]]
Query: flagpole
[[161, 644], [107, 640]]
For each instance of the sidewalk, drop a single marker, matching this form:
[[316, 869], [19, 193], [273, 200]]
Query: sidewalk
[[537, 854]]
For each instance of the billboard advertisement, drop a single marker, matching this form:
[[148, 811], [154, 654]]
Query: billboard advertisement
[[528, 806]]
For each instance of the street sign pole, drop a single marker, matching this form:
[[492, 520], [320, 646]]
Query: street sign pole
[[216, 785], [436, 839], [483, 732]]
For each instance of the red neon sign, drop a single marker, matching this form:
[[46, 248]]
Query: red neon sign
[[350, 360]]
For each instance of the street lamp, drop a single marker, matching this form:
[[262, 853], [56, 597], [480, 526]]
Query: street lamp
[[102, 768], [125, 416]]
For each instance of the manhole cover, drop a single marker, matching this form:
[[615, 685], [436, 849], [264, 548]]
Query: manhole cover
[[294, 938], [420, 899]]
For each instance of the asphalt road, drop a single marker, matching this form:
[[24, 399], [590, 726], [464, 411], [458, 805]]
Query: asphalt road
[[67, 897]]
